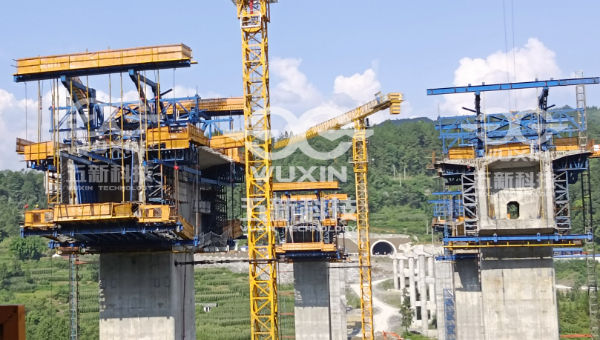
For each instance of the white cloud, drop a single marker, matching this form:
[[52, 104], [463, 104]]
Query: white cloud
[[293, 87], [533, 60], [360, 87], [12, 126], [293, 92]]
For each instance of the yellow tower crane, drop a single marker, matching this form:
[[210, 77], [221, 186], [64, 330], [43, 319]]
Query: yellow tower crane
[[254, 17], [360, 160]]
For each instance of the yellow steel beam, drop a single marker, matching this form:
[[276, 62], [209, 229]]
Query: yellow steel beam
[[360, 158], [306, 246], [348, 217], [211, 105], [228, 141], [301, 186], [222, 106], [107, 212], [41, 218], [76, 213], [35, 151], [312, 197], [254, 17], [391, 101], [95, 62], [179, 138]]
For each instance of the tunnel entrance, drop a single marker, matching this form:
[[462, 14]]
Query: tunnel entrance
[[383, 248]]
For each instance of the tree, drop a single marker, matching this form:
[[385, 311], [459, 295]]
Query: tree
[[62, 294], [406, 311], [28, 248], [9, 270]]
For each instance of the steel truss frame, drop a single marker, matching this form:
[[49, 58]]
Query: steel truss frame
[[361, 161], [503, 128], [254, 16]]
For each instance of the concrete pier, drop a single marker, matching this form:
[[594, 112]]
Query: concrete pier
[[443, 281], [411, 285], [144, 296], [423, 295], [431, 279], [395, 268], [519, 294], [402, 276], [509, 293], [468, 301], [311, 310], [337, 290], [320, 301]]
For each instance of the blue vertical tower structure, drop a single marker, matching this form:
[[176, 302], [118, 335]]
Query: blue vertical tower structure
[[505, 205]]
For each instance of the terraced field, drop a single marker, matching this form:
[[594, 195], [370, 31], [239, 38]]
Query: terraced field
[[230, 320]]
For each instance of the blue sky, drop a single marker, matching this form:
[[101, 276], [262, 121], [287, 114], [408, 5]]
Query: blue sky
[[316, 47]]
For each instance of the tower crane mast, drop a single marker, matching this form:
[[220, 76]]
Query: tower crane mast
[[254, 17], [360, 159]]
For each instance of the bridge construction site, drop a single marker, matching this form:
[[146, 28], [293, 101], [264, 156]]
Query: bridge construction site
[[146, 184]]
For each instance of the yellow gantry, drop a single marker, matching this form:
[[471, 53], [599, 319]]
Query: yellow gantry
[[389, 101], [360, 159], [304, 186], [254, 17], [107, 59]]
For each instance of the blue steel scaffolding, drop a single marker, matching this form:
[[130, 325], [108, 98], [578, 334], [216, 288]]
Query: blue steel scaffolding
[[479, 135]]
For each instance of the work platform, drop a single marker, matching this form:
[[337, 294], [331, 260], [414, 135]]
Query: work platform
[[103, 62], [308, 226], [142, 183], [141, 175], [118, 224], [504, 208]]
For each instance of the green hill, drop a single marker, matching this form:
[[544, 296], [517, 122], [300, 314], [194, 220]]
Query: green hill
[[399, 187]]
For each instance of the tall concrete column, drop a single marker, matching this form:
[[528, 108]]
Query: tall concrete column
[[411, 284], [312, 299], [468, 301], [423, 291], [395, 277], [337, 288], [520, 293], [443, 282], [144, 296], [402, 274], [431, 275]]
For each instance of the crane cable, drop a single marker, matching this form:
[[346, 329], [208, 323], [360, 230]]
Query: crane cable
[[122, 144], [512, 14], [26, 104], [506, 50]]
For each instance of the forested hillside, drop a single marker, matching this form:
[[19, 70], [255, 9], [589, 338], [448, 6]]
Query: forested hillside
[[399, 187], [28, 275]]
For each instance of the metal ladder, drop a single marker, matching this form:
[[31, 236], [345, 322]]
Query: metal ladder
[[449, 322], [469, 196], [590, 251], [562, 214]]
